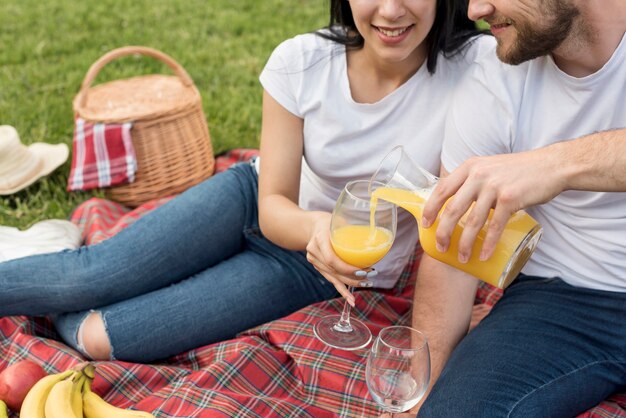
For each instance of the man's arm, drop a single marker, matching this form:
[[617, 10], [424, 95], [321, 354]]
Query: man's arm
[[510, 182], [597, 161], [442, 307]]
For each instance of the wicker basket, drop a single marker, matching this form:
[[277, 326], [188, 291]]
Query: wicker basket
[[170, 133]]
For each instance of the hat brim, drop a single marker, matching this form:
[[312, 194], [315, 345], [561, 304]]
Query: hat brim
[[52, 156]]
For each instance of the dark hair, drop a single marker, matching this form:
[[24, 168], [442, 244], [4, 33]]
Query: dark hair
[[450, 32]]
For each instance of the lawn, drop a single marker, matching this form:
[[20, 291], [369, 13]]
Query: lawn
[[46, 48]]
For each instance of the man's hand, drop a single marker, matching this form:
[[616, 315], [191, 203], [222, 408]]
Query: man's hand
[[505, 183]]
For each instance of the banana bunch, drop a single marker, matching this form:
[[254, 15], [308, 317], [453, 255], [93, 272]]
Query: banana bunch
[[68, 395]]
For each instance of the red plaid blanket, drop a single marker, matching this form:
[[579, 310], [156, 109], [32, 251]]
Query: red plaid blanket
[[278, 369]]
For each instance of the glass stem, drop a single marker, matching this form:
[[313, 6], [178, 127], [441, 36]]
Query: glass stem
[[343, 325]]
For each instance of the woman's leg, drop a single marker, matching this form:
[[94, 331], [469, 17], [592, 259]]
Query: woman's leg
[[249, 289], [547, 349], [197, 229]]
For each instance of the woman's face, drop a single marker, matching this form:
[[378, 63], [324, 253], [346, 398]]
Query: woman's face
[[394, 30]]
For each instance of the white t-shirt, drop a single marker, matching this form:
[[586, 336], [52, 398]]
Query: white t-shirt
[[533, 105], [345, 140]]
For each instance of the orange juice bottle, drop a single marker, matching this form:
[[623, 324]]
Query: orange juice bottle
[[515, 246], [409, 186]]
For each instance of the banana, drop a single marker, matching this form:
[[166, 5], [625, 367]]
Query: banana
[[77, 394], [59, 401], [35, 401], [96, 407], [66, 398], [89, 370], [4, 413]]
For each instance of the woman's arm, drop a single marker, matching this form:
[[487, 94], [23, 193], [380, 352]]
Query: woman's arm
[[281, 219]]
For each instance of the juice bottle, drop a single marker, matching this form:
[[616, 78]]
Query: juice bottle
[[511, 253], [409, 186]]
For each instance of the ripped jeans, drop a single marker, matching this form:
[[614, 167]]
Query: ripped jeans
[[194, 271]]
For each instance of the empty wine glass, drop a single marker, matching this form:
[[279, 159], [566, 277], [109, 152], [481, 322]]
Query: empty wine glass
[[360, 237], [398, 368]]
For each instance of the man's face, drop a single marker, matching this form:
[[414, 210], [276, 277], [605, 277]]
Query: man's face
[[526, 29]]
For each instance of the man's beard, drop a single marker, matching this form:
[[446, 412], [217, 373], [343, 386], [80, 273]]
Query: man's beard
[[533, 41]]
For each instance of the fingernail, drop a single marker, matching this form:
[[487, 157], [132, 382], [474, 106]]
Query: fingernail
[[372, 273], [360, 273], [440, 247], [463, 258], [351, 301], [425, 223], [366, 283], [483, 255]]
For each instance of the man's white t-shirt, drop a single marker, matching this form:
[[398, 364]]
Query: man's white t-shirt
[[345, 140], [506, 109]]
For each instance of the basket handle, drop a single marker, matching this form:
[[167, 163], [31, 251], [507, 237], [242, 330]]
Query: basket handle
[[130, 50]]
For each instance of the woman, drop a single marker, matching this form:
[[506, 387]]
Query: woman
[[209, 264]]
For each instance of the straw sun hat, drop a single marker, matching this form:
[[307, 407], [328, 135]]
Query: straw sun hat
[[21, 165]]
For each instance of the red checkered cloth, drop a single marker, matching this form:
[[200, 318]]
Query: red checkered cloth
[[102, 156], [237, 155], [278, 369], [100, 219]]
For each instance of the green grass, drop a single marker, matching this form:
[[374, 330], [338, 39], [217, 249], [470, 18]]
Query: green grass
[[46, 48]]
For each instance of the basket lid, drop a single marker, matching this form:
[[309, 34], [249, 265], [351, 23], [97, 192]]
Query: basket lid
[[136, 98]]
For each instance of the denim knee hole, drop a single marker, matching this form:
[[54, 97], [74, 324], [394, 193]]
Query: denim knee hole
[[80, 335]]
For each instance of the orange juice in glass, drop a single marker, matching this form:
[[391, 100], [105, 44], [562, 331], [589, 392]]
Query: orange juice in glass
[[409, 186], [361, 245]]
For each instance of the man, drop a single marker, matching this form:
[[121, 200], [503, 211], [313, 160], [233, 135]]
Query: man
[[555, 344]]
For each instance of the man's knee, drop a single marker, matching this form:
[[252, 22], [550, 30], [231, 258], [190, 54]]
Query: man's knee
[[459, 395], [93, 337]]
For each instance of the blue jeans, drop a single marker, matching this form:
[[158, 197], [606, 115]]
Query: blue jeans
[[194, 271], [547, 349]]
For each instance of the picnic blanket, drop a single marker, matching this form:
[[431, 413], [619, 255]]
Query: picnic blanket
[[278, 369]]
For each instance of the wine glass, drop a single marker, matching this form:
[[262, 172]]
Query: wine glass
[[360, 236], [398, 368]]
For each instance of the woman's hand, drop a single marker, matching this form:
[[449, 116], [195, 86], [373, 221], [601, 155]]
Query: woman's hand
[[320, 253]]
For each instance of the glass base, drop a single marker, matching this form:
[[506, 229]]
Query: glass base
[[328, 331]]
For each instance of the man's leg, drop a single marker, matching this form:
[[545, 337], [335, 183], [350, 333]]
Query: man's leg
[[547, 349]]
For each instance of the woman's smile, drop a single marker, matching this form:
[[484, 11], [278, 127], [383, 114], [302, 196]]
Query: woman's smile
[[393, 35]]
